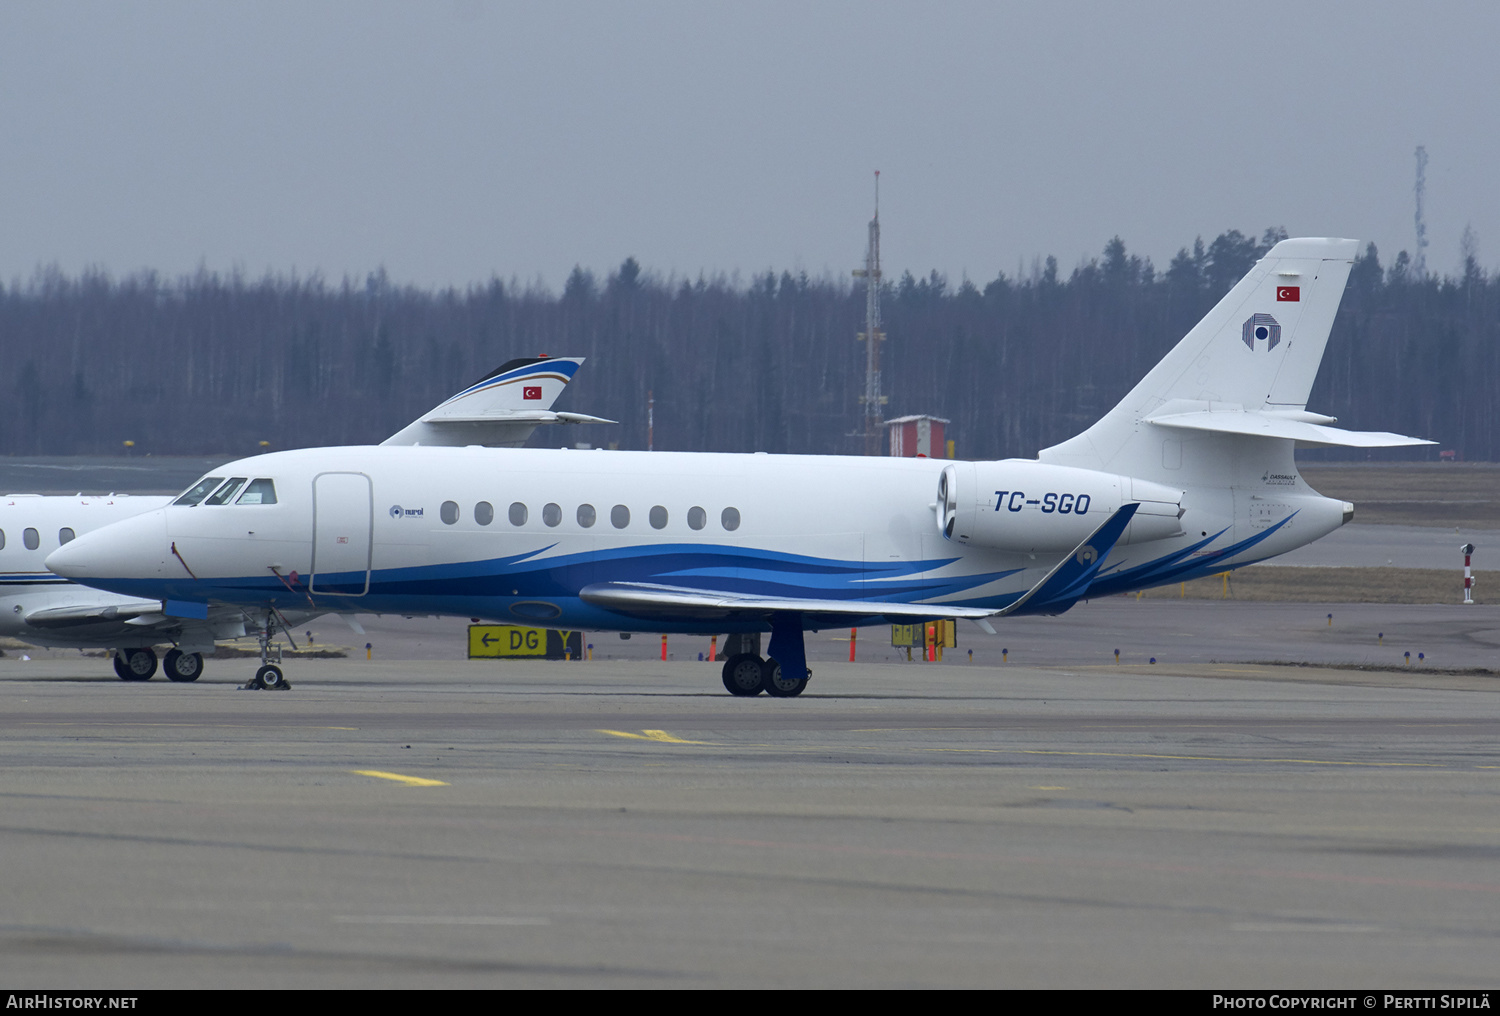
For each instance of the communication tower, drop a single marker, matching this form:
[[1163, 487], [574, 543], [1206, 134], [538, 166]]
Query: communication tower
[[1420, 263], [872, 399]]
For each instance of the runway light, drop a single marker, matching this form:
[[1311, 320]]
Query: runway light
[[1330, 620], [1004, 654], [368, 655], [1117, 656], [1380, 638], [1153, 659]]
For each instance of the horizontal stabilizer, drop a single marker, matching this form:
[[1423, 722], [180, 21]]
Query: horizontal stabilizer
[[532, 417], [1304, 428], [644, 599]]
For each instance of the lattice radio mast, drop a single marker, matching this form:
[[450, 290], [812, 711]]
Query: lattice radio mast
[[1420, 264], [872, 400]]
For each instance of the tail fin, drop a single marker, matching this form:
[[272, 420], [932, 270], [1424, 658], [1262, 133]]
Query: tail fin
[[501, 409], [1246, 369]]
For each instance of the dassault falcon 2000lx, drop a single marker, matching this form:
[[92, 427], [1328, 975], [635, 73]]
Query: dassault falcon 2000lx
[[1191, 474], [501, 409]]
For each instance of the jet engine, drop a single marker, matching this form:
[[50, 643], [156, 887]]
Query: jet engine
[[1031, 507]]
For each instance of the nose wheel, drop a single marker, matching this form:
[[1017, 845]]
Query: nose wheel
[[269, 677]]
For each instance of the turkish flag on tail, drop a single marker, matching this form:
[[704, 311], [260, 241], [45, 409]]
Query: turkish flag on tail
[[531, 392], [1288, 294]]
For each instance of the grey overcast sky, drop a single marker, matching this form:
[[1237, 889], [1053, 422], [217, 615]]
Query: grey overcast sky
[[453, 140]]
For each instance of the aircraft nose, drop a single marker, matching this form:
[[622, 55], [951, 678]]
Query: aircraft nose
[[129, 549]]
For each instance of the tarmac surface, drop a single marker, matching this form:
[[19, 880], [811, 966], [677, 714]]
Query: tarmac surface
[[441, 822]]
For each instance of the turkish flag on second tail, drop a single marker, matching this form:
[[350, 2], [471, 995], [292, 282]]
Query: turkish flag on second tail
[[531, 392], [1288, 294]]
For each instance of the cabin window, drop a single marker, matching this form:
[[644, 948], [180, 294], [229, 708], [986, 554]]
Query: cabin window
[[484, 513], [32, 539], [518, 514], [697, 518], [226, 493], [587, 516], [551, 514], [730, 519], [619, 516], [64, 535], [448, 512], [2, 539], [261, 491], [198, 491], [658, 517]]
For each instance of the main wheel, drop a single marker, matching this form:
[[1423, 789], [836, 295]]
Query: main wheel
[[270, 676], [742, 675], [180, 666], [779, 686], [135, 664]]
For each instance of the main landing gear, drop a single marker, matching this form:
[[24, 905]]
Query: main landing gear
[[140, 665], [269, 677], [747, 675], [135, 664]]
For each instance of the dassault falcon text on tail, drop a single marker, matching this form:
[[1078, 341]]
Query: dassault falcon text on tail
[[1191, 474]]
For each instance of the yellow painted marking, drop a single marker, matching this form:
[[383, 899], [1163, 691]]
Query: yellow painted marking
[[410, 781], [651, 735]]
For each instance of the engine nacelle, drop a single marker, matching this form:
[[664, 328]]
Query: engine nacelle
[[1029, 507]]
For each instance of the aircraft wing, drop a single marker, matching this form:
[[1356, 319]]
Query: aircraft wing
[[649, 600], [1062, 586], [76, 615]]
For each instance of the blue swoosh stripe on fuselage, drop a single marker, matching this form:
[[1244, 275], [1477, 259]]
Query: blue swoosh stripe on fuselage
[[1174, 568], [527, 575]]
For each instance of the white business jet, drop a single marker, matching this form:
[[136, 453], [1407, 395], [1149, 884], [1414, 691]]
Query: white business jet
[[36, 606], [1191, 474]]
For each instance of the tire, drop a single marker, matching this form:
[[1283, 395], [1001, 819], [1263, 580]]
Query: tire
[[270, 677], [743, 675], [778, 687], [136, 665], [180, 666]]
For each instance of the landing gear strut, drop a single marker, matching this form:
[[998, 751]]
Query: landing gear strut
[[269, 676]]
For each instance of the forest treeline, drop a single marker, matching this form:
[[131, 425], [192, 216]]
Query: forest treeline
[[210, 364]]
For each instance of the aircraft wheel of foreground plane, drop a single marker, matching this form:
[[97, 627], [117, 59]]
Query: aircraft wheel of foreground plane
[[135, 664], [180, 666], [269, 677], [778, 686], [743, 675]]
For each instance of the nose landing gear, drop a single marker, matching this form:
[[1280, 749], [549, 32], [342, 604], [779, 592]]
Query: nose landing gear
[[269, 677]]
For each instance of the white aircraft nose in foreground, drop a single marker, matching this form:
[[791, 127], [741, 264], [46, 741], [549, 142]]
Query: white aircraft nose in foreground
[[501, 409], [1191, 474]]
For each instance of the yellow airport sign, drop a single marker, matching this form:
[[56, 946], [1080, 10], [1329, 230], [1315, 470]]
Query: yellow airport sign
[[508, 641]]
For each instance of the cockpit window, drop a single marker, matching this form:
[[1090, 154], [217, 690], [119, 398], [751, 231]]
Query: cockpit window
[[226, 493], [260, 491], [199, 490]]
